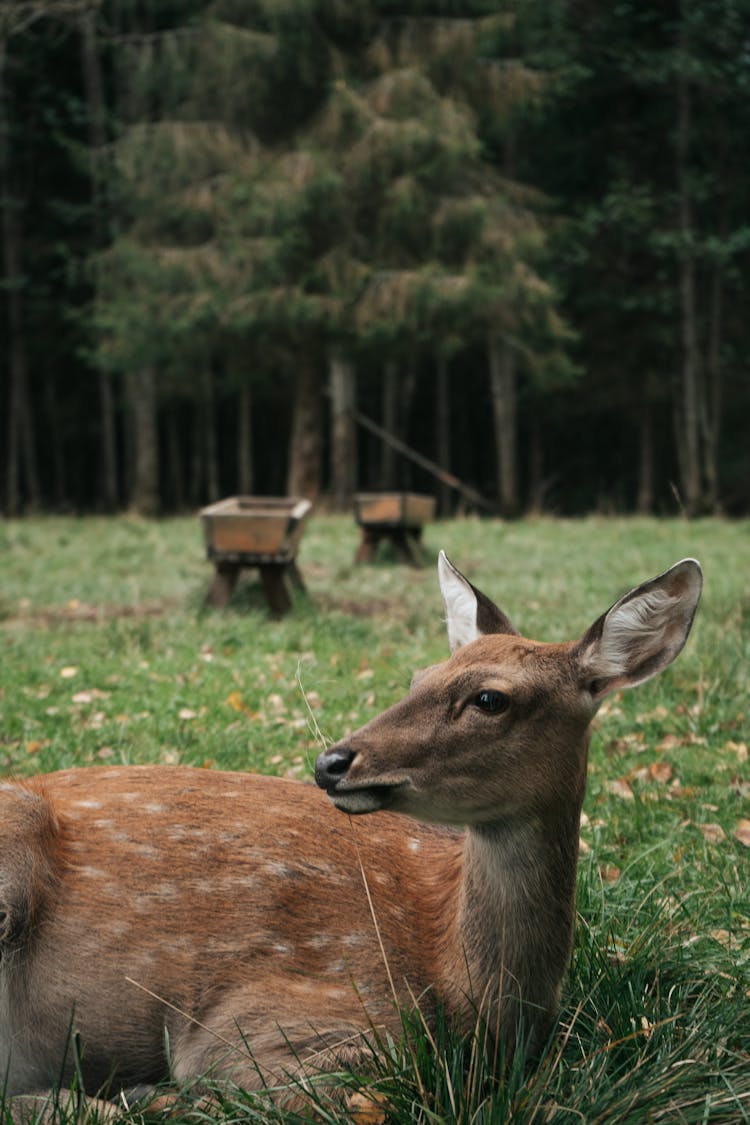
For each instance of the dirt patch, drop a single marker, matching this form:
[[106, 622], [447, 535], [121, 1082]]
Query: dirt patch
[[81, 612], [363, 607]]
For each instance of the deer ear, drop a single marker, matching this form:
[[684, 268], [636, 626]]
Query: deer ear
[[642, 633], [469, 614]]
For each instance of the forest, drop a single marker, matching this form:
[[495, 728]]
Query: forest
[[242, 238]]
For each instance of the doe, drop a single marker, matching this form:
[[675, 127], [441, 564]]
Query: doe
[[179, 923]]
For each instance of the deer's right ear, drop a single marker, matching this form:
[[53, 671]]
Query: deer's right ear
[[642, 633], [469, 614]]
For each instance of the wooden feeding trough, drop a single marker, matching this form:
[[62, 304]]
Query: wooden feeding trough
[[259, 531], [398, 518]]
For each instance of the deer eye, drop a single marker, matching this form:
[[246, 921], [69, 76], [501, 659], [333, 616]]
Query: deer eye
[[492, 702]]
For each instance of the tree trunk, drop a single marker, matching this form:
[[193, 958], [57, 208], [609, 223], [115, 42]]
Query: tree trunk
[[174, 461], [21, 451], [57, 448], [209, 434], [537, 484], [502, 362], [343, 433], [304, 477], [401, 391], [390, 423], [443, 430], [712, 407], [145, 496], [197, 493], [97, 141], [645, 498], [245, 441], [688, 407]]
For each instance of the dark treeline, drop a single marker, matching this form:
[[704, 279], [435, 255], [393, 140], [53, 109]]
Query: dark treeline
[[515, 234]]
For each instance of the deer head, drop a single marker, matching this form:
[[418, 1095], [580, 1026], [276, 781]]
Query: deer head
[[500, 729]]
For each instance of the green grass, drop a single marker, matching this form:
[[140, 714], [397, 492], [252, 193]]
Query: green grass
[[107, 654]]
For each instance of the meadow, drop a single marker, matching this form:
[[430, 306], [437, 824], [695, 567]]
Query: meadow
[[108, 655]]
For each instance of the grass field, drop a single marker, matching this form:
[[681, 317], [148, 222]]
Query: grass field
[[109, 656]]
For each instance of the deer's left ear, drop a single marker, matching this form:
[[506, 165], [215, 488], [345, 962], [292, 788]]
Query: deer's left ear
[[642, 633], [469, 614]]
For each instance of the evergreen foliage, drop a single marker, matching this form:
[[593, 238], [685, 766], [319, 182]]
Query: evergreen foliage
[[530, 216]]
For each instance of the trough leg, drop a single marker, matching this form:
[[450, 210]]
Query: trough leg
[[367, 544], [224, 582], [273, 578], [412, 546], [296, 578]]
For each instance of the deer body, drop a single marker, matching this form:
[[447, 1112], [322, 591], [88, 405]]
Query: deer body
[[224, 913], [174, 895]]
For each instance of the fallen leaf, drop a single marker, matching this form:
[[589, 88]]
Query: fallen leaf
[[367, 1109], [659, 712], [186, 713], [686, 792], [627, 743], [583, 847], [660, 771], [83, 697], [609, 873], [739, 787], [34, 746], [68, 672], [620, 788], [738, 748], [236, 702], [742, 832], [712, 833]]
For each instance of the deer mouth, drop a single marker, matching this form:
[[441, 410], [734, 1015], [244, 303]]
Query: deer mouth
[[365, 798]]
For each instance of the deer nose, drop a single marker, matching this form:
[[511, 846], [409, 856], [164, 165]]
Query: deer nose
[[332, 765]]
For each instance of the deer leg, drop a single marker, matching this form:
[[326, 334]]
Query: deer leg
[[53, 1107], [285, 1057]]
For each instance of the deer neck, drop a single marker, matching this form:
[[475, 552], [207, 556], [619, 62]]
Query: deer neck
[[512, 934]]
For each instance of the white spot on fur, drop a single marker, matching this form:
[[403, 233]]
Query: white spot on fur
[[352, 941], [278, 870], [167, 890]]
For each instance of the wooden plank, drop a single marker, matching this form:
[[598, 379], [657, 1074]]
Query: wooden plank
[[442, 475]]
